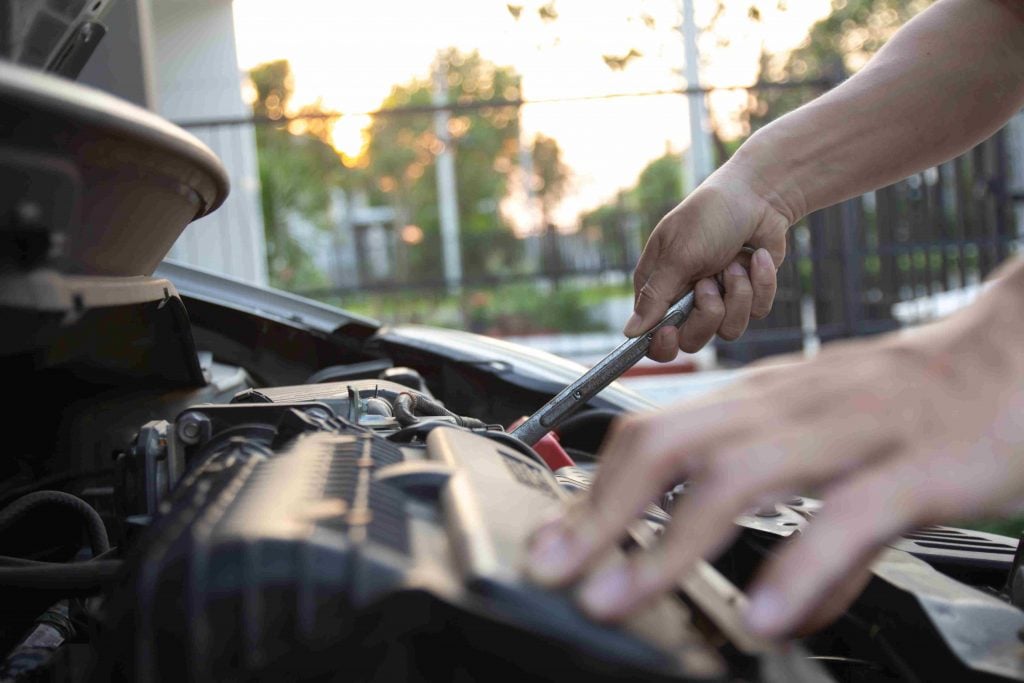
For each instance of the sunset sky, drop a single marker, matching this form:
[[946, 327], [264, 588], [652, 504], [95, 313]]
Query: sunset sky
[[349, 54]]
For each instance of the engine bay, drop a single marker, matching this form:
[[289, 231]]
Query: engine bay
[[358, 528]]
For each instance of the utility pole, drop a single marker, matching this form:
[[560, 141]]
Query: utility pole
[[532, 240], [699, 162], [447, 197]]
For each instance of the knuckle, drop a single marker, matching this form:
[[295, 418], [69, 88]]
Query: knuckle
[[692, 342], [650, 292], [730, 331], [714, 307], [689, 346], [741, 287]]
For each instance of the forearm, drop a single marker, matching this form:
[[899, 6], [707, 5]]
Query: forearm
[[947, 80]]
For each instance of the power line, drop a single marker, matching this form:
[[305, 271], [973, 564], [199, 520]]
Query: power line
[[501, 103]]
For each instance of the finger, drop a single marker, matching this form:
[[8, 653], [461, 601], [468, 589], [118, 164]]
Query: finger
[[660, 290], [858, 518], [706, 318], [739, 296], [836, 602], [664, 345], [736, 477], [560, 550], [764, 282], [618, 590], [646, 264]]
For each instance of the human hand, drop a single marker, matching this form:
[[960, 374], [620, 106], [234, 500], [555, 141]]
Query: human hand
[[897, 433], [693, 243]]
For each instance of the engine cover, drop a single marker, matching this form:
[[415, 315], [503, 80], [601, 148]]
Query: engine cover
[[339, 554]]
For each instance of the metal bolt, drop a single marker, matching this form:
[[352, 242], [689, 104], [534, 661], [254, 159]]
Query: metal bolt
[[795, 500], [190, 427], [28, 212], [577, 394]]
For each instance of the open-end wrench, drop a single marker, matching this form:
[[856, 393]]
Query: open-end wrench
[[606, 371]]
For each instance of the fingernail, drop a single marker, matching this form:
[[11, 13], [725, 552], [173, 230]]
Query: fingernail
[[735, 269], [606, 593], [632, 327], [765, 614], [764, 259], [549, 554]]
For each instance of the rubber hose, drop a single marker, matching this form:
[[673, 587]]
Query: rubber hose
[[98, 539]]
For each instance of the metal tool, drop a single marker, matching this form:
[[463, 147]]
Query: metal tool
[[606, 371]]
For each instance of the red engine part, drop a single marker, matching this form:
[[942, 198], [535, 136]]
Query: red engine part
[[549, 448]]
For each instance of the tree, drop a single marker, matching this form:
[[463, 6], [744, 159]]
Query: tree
[[297, 173], [400, 167], [551, 175], [638, 209], [836, 47]]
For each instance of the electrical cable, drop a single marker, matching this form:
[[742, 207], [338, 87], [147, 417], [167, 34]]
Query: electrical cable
[[410, 407], [585, 431], [97, 532], [499, 103], [422, 429], [419, 430], [522, 447], [53, 480], [78, 578]]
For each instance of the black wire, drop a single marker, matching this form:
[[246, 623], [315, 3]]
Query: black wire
[[500, 103], [587, 430], [97, 532], [516, 443], [53, 480], [422, 429]]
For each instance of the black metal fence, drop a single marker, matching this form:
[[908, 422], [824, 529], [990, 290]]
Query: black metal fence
[[936, 231]]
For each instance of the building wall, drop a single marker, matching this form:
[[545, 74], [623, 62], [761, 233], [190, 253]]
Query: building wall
[[197, 78]]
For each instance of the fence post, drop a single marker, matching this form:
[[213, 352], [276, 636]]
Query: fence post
[[853, 266]]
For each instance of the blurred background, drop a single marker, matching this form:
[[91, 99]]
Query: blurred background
[[497, 166]]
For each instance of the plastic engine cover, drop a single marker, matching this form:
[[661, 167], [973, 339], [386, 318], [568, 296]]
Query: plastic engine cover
[[345, 556]]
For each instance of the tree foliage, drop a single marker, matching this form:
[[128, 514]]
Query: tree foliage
[[658, 188], [401, 168], [837, 46], [297, 175], [551, 175]]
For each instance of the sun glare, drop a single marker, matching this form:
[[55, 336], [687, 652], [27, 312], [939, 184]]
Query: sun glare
[[349, 136], [606, 143]]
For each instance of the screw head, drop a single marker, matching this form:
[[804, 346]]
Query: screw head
[[577, 394], [190, 427]]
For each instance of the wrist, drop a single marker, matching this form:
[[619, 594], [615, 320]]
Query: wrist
[[770, 175], [985, 336]]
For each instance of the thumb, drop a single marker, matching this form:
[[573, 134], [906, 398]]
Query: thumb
[[655, 295]]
